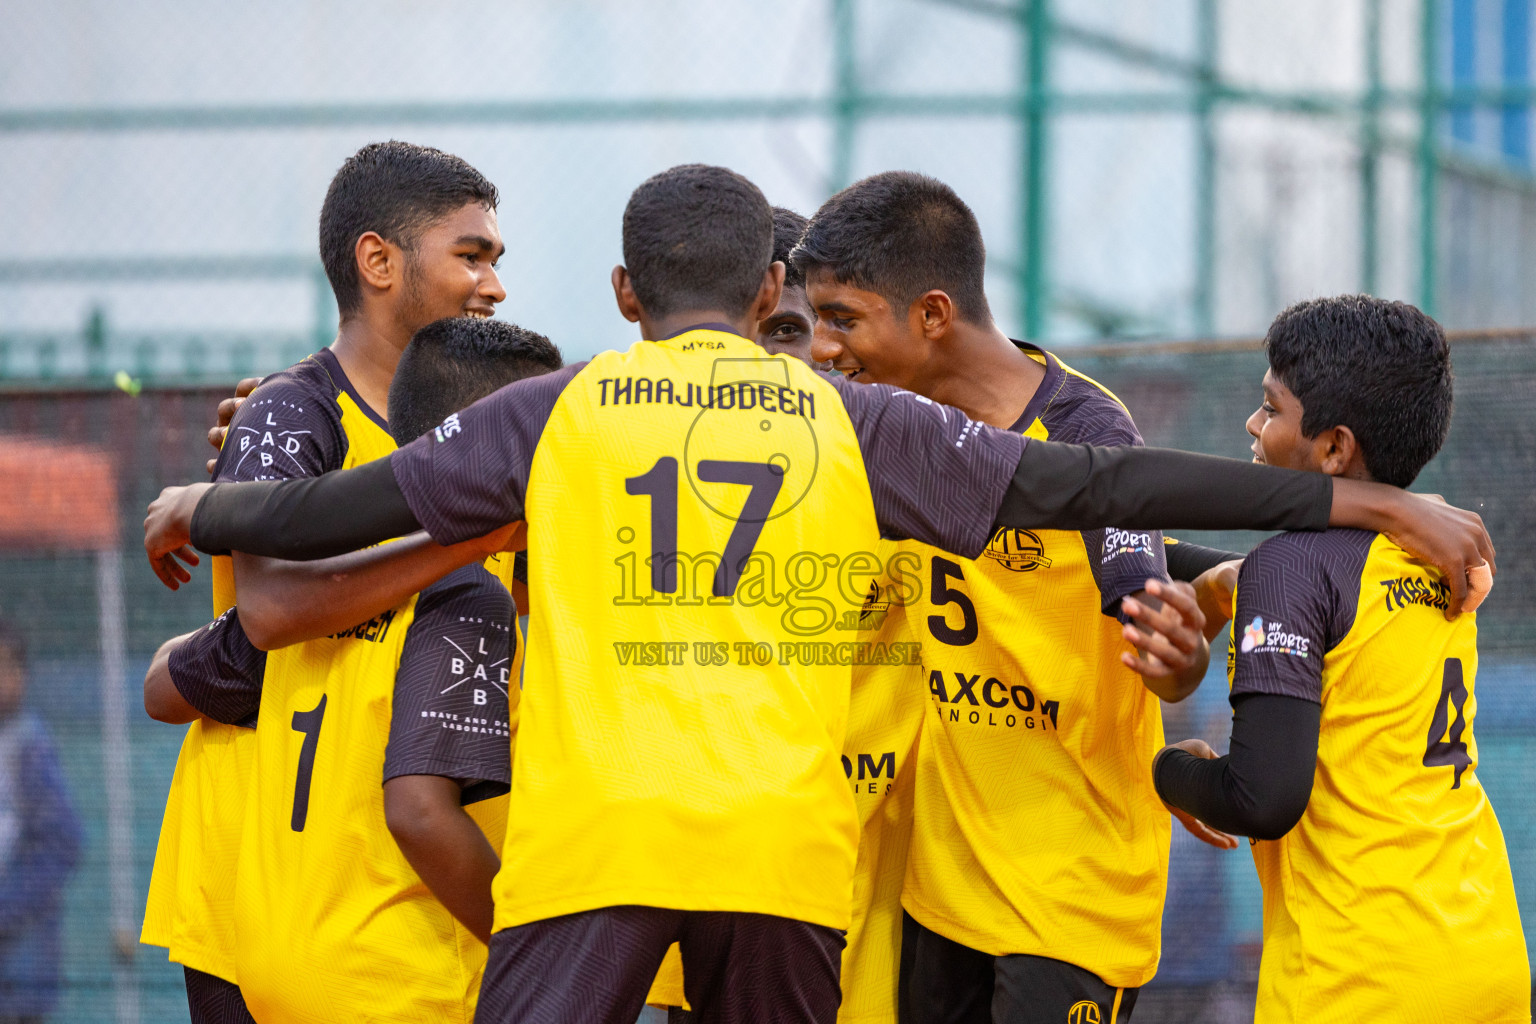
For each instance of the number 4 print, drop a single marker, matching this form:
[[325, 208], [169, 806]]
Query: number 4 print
[[1449, 749]]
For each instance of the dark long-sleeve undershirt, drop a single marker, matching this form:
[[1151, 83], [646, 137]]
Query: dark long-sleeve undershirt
[[304, 519], [1076, 487], [1262, 787], [1187, 561], [1056, 486]]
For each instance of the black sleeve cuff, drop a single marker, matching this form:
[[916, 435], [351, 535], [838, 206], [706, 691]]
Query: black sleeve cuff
[[1261, 789], [1082, 487], [1187, 561], [301, 520]]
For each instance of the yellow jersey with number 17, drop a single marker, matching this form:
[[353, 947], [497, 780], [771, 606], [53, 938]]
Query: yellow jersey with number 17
[[708, 513], [704, 499], [301, 422], [1392, 898]]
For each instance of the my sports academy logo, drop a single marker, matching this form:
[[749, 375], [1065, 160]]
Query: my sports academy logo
[[1017, 550], [1260, 637], [1125, 542], [448, 428]]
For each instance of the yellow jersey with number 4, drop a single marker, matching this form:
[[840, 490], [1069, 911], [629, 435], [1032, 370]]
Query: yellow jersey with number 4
[[1392, 898]]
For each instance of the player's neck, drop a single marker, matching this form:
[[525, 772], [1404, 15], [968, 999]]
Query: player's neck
[[985, 375], [673, 324], [368, 354]]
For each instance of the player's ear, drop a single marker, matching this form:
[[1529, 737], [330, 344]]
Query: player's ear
[[933, 313], [1340, 450], [379, 263], [768, 291], [624, 294]]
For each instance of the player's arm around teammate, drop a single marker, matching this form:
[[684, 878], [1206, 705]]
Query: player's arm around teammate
[[1059, 486]]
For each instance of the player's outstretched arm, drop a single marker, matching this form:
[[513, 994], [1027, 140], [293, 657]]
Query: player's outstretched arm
[[445, 846], [1262, 787], [1077, 487], [301, 601], [301, 519]]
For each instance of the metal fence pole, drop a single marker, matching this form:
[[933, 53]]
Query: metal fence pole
[[1205, 171], [1428, 156], [117, 768], [1034, 212], [846, 99], [1370, 147]]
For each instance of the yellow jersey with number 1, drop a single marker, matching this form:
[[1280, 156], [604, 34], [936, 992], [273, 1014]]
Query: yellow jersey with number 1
[[303, 421]]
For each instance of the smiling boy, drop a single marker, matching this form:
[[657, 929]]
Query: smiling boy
[[408, 235], [1387, 887]]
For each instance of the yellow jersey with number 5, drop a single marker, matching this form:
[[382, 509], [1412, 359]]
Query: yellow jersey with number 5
[[1037, 829], [1392, 898]]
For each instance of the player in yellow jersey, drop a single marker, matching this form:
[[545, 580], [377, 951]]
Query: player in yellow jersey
[[408, 235], [325, 894], [1034, 729], [1387, 888], [787, 330], [712, 510]]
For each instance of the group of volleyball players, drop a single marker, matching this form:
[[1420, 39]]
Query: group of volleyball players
[[840, 694]]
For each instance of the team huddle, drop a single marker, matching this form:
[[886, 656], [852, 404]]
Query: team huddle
[[848, 622]]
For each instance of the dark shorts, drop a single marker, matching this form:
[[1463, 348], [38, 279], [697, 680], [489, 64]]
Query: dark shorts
[[596, 967], [943, 982], [213, 1000]]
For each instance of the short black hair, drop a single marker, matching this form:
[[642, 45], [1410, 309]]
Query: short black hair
[[900, 234], [788, 226], [697, 237], [451, 364], [1382, 369], [396, 189]]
